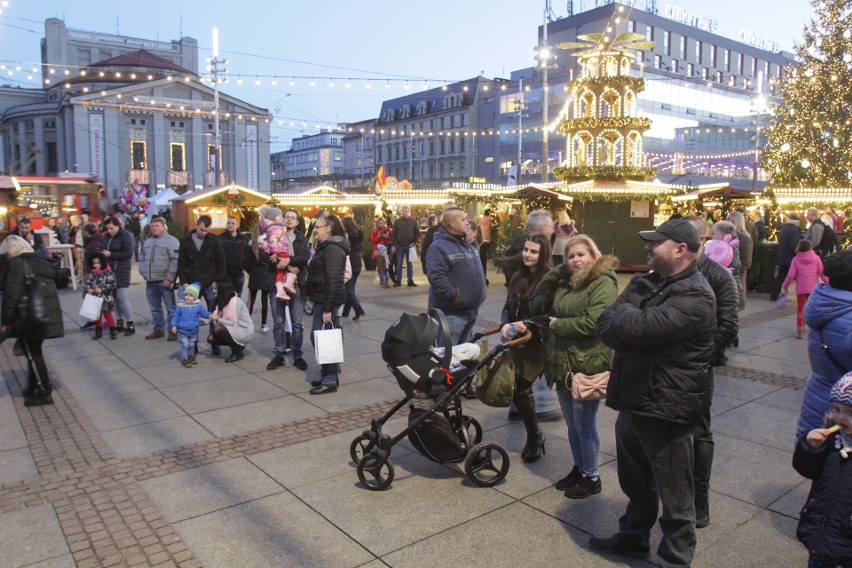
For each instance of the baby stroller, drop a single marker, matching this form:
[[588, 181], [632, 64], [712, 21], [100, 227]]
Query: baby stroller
[[441, 432]]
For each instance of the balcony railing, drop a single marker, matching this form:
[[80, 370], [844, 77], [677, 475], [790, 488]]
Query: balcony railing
[[175, 177], [209, 182], [139, 176]]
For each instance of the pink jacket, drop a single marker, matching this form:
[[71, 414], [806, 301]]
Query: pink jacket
[[806, 270]]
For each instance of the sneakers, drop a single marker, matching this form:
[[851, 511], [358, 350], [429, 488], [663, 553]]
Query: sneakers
[[185, 362], [569, 480], [616, 544], [300, 364], [152, 335], [192, 360], [277, 361], [264, 328], [585, 487]]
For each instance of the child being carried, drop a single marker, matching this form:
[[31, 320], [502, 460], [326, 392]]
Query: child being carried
[[275, 243]]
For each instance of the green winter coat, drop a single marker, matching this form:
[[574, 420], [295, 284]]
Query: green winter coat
[[578, 301]]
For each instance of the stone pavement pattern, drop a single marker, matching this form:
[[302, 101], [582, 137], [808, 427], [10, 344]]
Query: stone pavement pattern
[[143, 462]]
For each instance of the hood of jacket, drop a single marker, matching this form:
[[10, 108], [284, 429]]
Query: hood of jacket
[[335, 240], [826, 304], [807, 257], [604, 265]]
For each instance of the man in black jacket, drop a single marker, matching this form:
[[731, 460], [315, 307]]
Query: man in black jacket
[[727, 325], [788, 239], [404, 236], [201, 259], [234, 245], [662, 330]]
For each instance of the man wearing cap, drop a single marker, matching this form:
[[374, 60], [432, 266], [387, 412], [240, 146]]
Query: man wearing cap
[[662, 329]]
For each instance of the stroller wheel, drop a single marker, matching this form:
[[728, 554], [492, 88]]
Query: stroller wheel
[[376, 474], [474, 429], [486, 464], [360, 447]]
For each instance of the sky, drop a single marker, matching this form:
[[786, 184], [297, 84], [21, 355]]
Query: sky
[[385, 41]]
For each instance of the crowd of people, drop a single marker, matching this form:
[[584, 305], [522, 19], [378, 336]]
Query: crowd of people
[[658, 340]]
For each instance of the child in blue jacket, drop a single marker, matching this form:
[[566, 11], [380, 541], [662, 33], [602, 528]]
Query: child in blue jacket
[[186, 320]]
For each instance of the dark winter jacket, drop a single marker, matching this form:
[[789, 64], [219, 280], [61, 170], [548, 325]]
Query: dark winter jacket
[[828, 310], [92, 243], [121, 248], [200, 265], [159, 259], [529, 357], [662, 330], [456, 280], [103, 278], [186, 317], [788, 237], [578, 301], [427, 242], [300, 254], [356, 241], [727, 301], [43, 269], [260, 269], [405, 232], [325, 273], [825, 522], [234, 249]]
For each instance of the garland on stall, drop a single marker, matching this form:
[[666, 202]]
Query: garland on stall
[[633, 122], [604, 173], [229, 199], [635, 83]]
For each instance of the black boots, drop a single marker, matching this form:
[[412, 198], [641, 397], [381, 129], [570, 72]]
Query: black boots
[[534, 448], [131, 329], [523, 399], [119, 325], [99, 332], [702, 512], [113, 334]]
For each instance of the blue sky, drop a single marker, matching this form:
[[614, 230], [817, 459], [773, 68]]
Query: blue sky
[[439, 40]]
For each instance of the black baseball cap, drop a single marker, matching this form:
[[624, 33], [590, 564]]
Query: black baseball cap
[[677, 230]]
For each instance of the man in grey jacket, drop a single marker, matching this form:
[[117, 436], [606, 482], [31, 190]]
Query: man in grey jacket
[[158, 265]]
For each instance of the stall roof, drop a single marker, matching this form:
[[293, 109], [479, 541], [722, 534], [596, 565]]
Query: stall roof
[[717, 190], [252, 197]]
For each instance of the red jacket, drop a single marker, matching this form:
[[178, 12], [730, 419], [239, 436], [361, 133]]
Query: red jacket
[[380, 237]]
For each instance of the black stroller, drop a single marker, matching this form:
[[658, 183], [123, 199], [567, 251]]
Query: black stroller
[[442, 432]]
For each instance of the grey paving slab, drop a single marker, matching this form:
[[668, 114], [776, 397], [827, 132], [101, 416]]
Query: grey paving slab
[[516, 535], [222, 393], [317, 460], [155, 436], [722, 404], [290, 378], [751, 472], [129, 409], [789, 398], [35, 533], [18, 465], [278, 530], [11, 434], [765, 425], [368, 366], [799, 368], [355, 395], [195, 492], [791, 504], [740, 389], [84, 366], [766, 540], [787, 349], [170, 373], [415, 507], [256, 415], [64, 561], [106, 385]]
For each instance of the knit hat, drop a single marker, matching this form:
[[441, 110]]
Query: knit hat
[[194, 289], [270, 213], [842, 390], [838, 268]]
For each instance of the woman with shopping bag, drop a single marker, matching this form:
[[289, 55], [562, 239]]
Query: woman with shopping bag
[[326, 289], [29, 274]]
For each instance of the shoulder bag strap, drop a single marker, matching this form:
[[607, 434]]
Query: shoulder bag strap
[[829, 354]]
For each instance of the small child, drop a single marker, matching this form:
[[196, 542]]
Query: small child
[[185, 322], [382, 264], [805, 270], [276, 244], [821, 456], [101, 282]]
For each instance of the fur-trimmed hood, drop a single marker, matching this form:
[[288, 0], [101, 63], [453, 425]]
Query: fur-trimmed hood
[[592, 272]]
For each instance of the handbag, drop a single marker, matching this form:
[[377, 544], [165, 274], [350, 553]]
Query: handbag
[[92, 307], [32, 309], [587, 387], [495, 385], [328, 345], [412, 254]]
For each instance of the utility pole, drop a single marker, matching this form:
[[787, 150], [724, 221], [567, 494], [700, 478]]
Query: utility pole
[[544, 56], [520, 105], [215, 71]]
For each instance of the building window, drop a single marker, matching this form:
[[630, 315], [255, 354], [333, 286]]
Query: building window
[[740, 63], [631, 26], [704, 73], [698, 46], [683, 47], [178, 156], [649, 33], [84, 57], [461, 145], [754, 68], [442, 149], [452, 170], [210, 153], [713, 56], [667, 37], [138, 154], [727, 60], [52, 157], [675, 66], [690, 70], [658, 61], [719, 76]]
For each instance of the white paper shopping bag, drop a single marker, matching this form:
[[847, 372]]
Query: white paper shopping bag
[[91, 308], [328, 345]]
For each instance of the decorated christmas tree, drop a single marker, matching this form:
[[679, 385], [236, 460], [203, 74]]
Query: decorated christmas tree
[[809, 137]]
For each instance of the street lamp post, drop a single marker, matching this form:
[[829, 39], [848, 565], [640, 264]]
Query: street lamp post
[[759, 105], [544, 56]]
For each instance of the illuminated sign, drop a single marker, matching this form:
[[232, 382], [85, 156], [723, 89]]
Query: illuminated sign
[[472, 179], [752, 39], [684, 16]]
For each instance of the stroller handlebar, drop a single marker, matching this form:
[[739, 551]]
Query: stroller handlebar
[[519, 340]]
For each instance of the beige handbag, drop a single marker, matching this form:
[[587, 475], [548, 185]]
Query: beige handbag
[[587, 387]]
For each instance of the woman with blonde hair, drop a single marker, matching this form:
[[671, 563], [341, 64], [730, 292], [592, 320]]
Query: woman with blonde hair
[[746, 250], [581, 289]]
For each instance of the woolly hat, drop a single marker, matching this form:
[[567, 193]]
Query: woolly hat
[[838, 268], [842, 390], [194, 289], [270, 213]]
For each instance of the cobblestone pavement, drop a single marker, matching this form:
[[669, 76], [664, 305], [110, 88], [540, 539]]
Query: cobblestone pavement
[[105, 514]]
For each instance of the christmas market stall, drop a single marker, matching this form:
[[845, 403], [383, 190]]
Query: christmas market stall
[[218, 203]]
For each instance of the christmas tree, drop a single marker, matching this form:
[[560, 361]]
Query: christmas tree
[[809, 137]]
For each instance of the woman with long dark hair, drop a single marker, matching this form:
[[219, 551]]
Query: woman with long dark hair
[[356, 240], [261, 277], [234, 327], [523, 304]]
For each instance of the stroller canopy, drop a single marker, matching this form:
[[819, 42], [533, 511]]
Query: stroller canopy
[[408, 337]]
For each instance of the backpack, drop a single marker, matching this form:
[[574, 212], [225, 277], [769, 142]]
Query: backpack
[[828, 243]]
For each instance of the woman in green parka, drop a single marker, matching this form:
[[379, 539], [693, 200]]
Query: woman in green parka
[[581, 288], [523, 303]]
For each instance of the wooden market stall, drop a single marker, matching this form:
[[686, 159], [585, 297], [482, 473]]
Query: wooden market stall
[[218, 203]]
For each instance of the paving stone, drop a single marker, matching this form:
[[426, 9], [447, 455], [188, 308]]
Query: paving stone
[[18, 465], [154, 436], [131, 409], [19, 527], [221, 393], [749, 422], [257, 415], [767, 540]]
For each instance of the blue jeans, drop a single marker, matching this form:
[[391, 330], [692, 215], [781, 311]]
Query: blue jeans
[[352, 302], [278, 319], [402, 254], [210, 297], [328, 373], [238, 281], [158, 295], [461, 327], [581, 418], [187, 344]]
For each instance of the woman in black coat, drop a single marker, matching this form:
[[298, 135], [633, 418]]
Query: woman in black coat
[[119, 247], [23, 262], [356, 240], [261, 279]]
